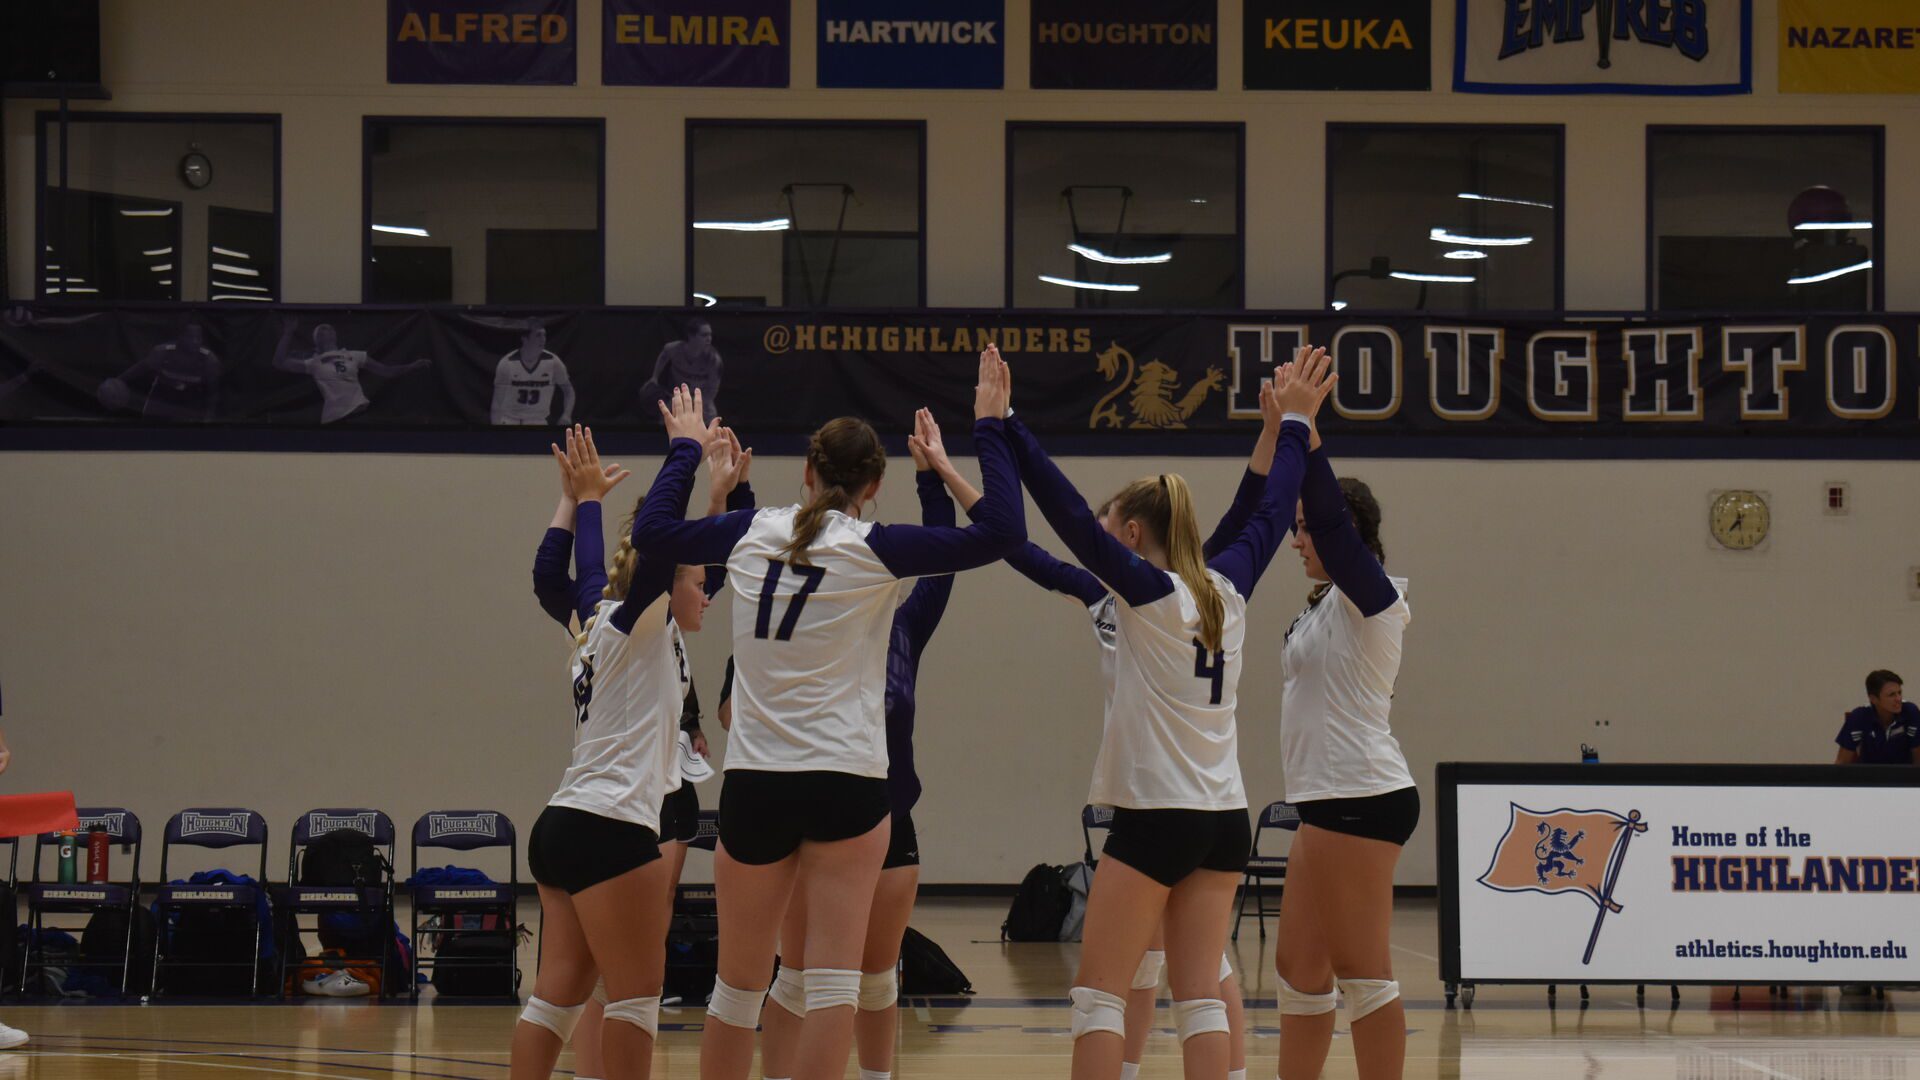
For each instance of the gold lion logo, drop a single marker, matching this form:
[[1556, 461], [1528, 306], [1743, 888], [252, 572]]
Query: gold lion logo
[[1153, 386]]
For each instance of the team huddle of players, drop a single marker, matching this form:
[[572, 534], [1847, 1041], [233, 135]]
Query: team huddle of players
[[816, 867]]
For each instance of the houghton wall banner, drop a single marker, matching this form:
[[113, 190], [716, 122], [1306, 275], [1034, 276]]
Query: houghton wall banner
[[1124, 45], [696, 43], [1686, 883], [1338, 45], [932, 44], [1146, 380], [481, 41], [1849, 47], [1603, 47]]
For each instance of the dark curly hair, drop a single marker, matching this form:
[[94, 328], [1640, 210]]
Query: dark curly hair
[[1366, 514]]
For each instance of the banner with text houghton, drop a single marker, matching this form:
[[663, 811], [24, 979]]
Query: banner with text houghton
[[1337, 45], [696, 43], [1849, 47], [935, 44], [530, 42], [1125, 45]]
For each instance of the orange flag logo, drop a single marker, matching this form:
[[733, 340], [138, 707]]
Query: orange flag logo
[[1564, 851]]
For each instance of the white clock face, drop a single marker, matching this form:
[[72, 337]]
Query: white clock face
[[1739, 520], [196, 170]]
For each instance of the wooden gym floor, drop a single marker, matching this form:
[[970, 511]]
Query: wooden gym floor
[[1014, 1028]]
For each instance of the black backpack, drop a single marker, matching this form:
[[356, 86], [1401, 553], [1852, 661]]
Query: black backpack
[[925, 968], [104, 947], [693, 957], [224, 936], [457, 971], [1039, 906], [342, 857]]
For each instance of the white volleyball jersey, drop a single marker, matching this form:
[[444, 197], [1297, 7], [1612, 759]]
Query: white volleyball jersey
[[626, 696], [1340, 669], [1106, 631], [337, 373], [810, 649], [521, 396], [1170, 740]]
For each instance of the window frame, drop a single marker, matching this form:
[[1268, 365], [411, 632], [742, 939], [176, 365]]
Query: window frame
[[696, 123], [597, 123], [1559, 135], [1238, 128], [1878, 302], [43, 118]]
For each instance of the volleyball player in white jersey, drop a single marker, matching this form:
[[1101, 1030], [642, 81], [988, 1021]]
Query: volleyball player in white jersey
[[1345, 773], [526, 380], [593, 851], [335, 371], [815, 589], [1167, 760], [1043, 569]]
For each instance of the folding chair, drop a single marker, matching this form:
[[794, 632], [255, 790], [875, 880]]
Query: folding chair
[[10, 904], [698, 899], [1264, 868], [464, 830], [1091, 818], [370, 901], [83, 898], [694, 930], [217, 828]]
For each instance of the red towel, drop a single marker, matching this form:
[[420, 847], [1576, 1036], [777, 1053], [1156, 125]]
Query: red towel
[[28, 815]]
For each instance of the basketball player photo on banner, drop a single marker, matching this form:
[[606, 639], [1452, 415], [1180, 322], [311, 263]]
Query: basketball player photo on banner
[[1697, 47], [1849, 47], [530, 42], [932, 44], [1337, 45], [696, 43]]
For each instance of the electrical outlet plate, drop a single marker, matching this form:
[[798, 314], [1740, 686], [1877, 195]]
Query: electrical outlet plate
[[1836, 498]]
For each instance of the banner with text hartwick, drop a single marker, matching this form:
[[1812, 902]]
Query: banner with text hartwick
[[933, 44], [1153, 381]]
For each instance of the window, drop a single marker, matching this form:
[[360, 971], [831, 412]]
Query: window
[[1124, 215], [1436, 217], [806, 214], [145, 207], [1764, 219], [493, 211]]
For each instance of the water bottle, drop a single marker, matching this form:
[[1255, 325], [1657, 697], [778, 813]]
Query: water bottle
[[97, 844], [69, 857]]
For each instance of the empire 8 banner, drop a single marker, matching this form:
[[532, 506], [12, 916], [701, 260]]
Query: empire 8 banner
[[1603, 47], [1153, 381]]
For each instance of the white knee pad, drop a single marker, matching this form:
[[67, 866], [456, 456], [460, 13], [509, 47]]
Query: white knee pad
[[789, 991], [1297, 1003], [1364, 996], [878, 990], [1097, 1010], [733, 1006], [1147, 975], [1226, 968], [559, 1019], [1199, 1016], [642, 1012], [830, 988]]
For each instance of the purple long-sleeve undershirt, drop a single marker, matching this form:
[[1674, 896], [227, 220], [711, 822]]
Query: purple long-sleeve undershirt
[[914, 622], [1336, 540]]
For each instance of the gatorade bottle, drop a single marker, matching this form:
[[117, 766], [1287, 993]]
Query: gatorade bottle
[[97, 845], [69, 860]]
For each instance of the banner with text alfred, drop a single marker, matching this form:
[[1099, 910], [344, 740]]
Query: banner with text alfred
[[1849, 47], [530, 42], [1603, 47], [1125, 45], [696, 43], [1337, 45], [933, 45]]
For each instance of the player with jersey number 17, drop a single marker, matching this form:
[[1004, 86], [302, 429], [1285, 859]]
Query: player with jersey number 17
[[815, 587]]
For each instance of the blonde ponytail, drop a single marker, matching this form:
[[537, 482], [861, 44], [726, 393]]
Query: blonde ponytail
[[846, 456], [1164, 506]]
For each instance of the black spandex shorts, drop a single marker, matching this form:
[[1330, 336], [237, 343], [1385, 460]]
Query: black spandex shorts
[[1167, 845], [765, 815], [1390, 817], [574, 850], [904, 848], [680, 814]]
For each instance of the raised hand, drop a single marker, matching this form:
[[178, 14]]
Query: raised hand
[[686, 418], [1304, 383], [727, 464], [928, 449], [591, 478], [994, 392], [566, 471]]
